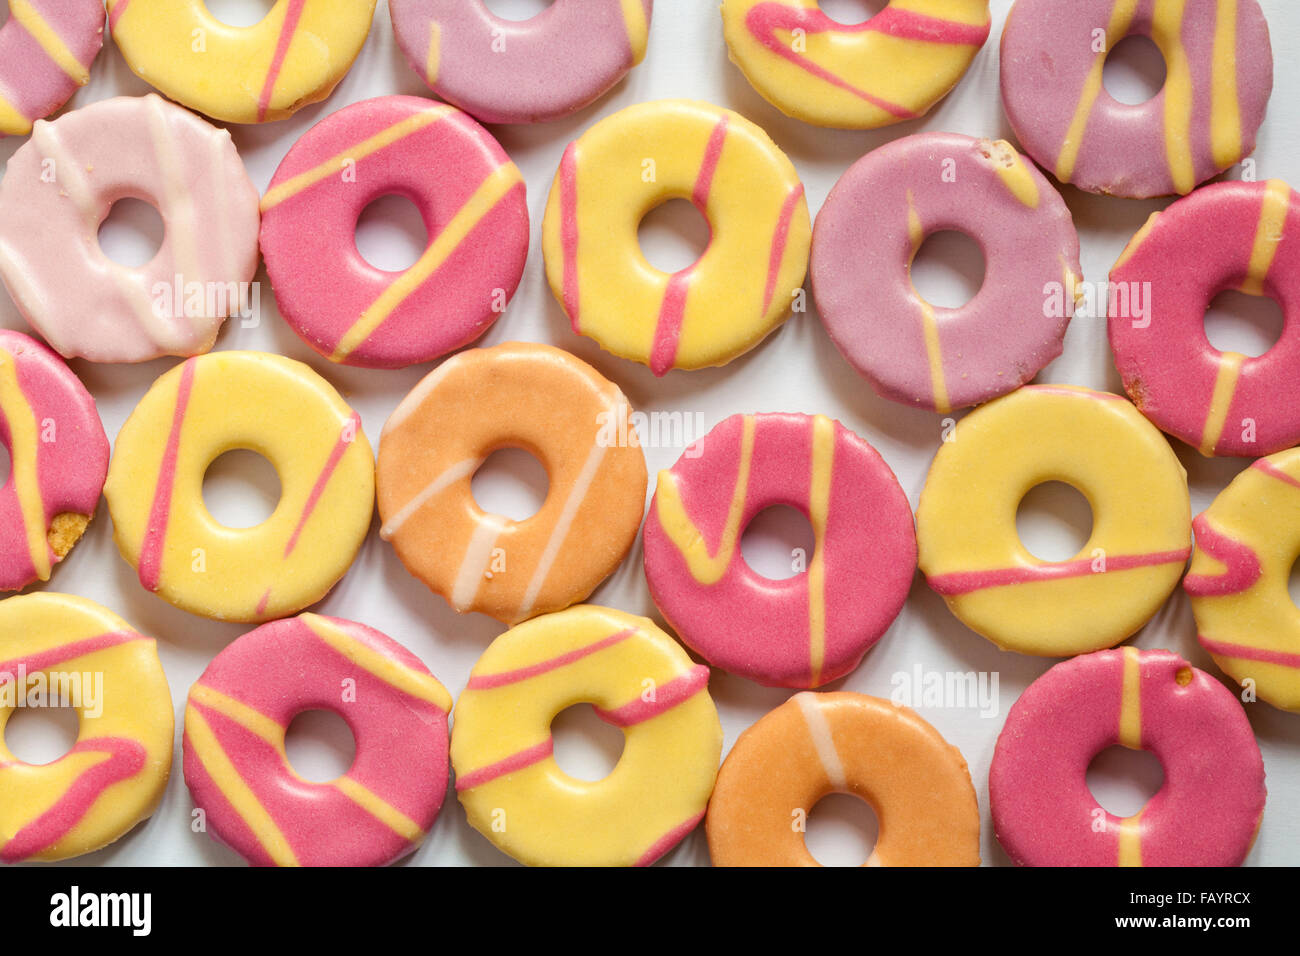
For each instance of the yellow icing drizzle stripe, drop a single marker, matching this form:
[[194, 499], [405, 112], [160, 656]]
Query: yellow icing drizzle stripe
[[490, 192], [1168, 21], [12, 122], [232, 786], [1135, 243], [1130, 840], [1014, 173], [1121, 16], [410, 682], [706, 568], [1225, 106], [823, 464], [637, 33], [1268, 236], [252, 720], [1225, 386], [1130, 707], [24, 446], [335, 164], [379, 808], [433, 60], [50, 41], [929, 323]]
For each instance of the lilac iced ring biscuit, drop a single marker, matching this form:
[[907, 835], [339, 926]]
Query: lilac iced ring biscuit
[[1220, 75], [508, 71], [868, 232]]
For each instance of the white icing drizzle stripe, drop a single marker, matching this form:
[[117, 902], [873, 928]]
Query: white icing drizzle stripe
[[477, 555], [819, 729], [450, 474]]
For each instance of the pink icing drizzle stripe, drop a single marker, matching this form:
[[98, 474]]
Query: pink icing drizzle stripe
[[336, 455], [1270, 469], [676, 691], [778, 244], [282, 44], [65, 652], [669, 840], [1241, 563], [569, 230], [154, 535], [709, 166], [1245, 653], [490, 681], [512, 764], [965, 582], [262, 602], [126, 758], [910, 25], [116, 14]]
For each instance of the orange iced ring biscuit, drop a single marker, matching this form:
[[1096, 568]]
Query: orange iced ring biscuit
[[517, 395], [818, 744]]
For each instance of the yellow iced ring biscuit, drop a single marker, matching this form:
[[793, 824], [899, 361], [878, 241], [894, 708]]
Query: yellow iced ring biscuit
[[891, 68], [718, 307], [1141, 536], [58, 645], [295, 56], [198, 411], [639, 680]]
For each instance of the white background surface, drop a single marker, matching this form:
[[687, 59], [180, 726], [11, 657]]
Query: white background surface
[[795, 369]]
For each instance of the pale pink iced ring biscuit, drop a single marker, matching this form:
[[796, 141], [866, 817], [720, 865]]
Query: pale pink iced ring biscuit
[[470, 195], [1242, 236], [553, 405], [869, 231], [1204, 120], [1207, 812], [46, 49], [506, 71], [808, 629], [240, 776], [59, 187], [58, 456]]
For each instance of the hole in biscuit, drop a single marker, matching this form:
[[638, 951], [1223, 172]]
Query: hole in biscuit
[[1249, 324], [673, 235], [42, 731], [851, 12], [948, 269], [1054, 521], [1123, 780], [1135, 70], [511, 483], [320, 745], [586, 747], [778, 543], [391, 234], [239, 13], [842, 830], [517, 9], [241, 489], [132, 233], [1293, 583]]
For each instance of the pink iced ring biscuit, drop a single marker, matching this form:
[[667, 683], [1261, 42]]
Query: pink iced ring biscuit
[[59, 456], [470, 195], [60, 186], [235, 762], [809, 629], [1206, 814], [868, 232], [46, 49], [506, 71], [1225, 236], [1204, 120]]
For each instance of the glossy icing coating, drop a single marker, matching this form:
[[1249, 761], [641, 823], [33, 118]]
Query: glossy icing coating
[[640, 681], [470, 195], [1206, 813], [1225, 236], [890, 68], [46, 50], [1247, 541], [59, 187], [526, 71], [818, 744], [295, 56], [58, 455], [559, 409], [240, 776], [738, 291], [814, 627], [1141, 521], [283, 411], [115, 774], [868, 232], [1203, 121]]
